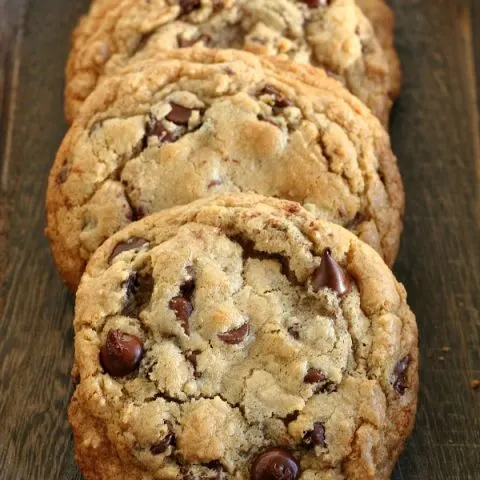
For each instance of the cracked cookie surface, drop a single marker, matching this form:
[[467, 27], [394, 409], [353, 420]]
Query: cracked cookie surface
[[334, 35], [191, 123], [240, 337]]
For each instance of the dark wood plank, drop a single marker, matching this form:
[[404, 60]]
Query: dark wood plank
[[36, 318], [435, 134]]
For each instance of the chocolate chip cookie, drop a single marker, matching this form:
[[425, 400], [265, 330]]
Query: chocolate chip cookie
[[198, 122], [332, 34], [382, 18], [241, 338]]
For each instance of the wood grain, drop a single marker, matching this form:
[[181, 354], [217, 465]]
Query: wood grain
[[435, 133]]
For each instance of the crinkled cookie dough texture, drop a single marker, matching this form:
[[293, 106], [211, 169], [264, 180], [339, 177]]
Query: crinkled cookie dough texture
[[192, 123], [334, 35]]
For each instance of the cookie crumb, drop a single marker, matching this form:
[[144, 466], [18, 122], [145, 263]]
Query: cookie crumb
[[475, 384]]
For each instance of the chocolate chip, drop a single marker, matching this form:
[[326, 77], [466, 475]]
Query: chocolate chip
[[214, 183], [355, 221], [164, 443], [179, 115], [287, 271], [156, 128], [121, 354], [182, 304], [281, 101], [315, 437], [217, 5], [183, 308], [188, 6], [400, 383], [275, 464], [236, 335], [317, 3], [130, 244], [62, 174], [139, 289], [291, 417], [330, 274], [137, 213], [314, 375], [293, 331], [217, 467], [192, 358]]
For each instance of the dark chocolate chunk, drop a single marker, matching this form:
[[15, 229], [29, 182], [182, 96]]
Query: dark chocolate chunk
[[139, 289], [189, 6], [183, 308], [192, 358], [182, 304], [315, 437], [236, 335], [275, 464], [156, 128], [330, 274], [164, 443], [400, 374], [130, 244], [179, 115], [281, 101], [121, 353], [317, 3], [314, 375]]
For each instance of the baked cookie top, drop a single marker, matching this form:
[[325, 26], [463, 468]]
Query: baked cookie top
[[334, 35], [240, 337], [196, 122]]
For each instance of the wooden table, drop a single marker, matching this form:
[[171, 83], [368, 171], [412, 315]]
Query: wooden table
[[435, 133]]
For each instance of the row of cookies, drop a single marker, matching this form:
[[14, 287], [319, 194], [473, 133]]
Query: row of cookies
[[237, 336]]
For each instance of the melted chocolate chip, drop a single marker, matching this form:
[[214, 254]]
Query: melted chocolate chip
[[400, 373], [139, 288], [355, 221], [130, 244], [121, 354], [188, 6], [281, 101], [275, 464], [315, 437], [317, 3], [192, 358], [156, 128], [291, 417], [293, 331], [236, 335], [183, 308], [314, 375], [182, 304], [179, 115], [137, 213], [164, 443], [330, 274]]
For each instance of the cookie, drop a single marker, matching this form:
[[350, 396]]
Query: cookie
[[382, 18], [239, 337], [198, 122], [334, 35]]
